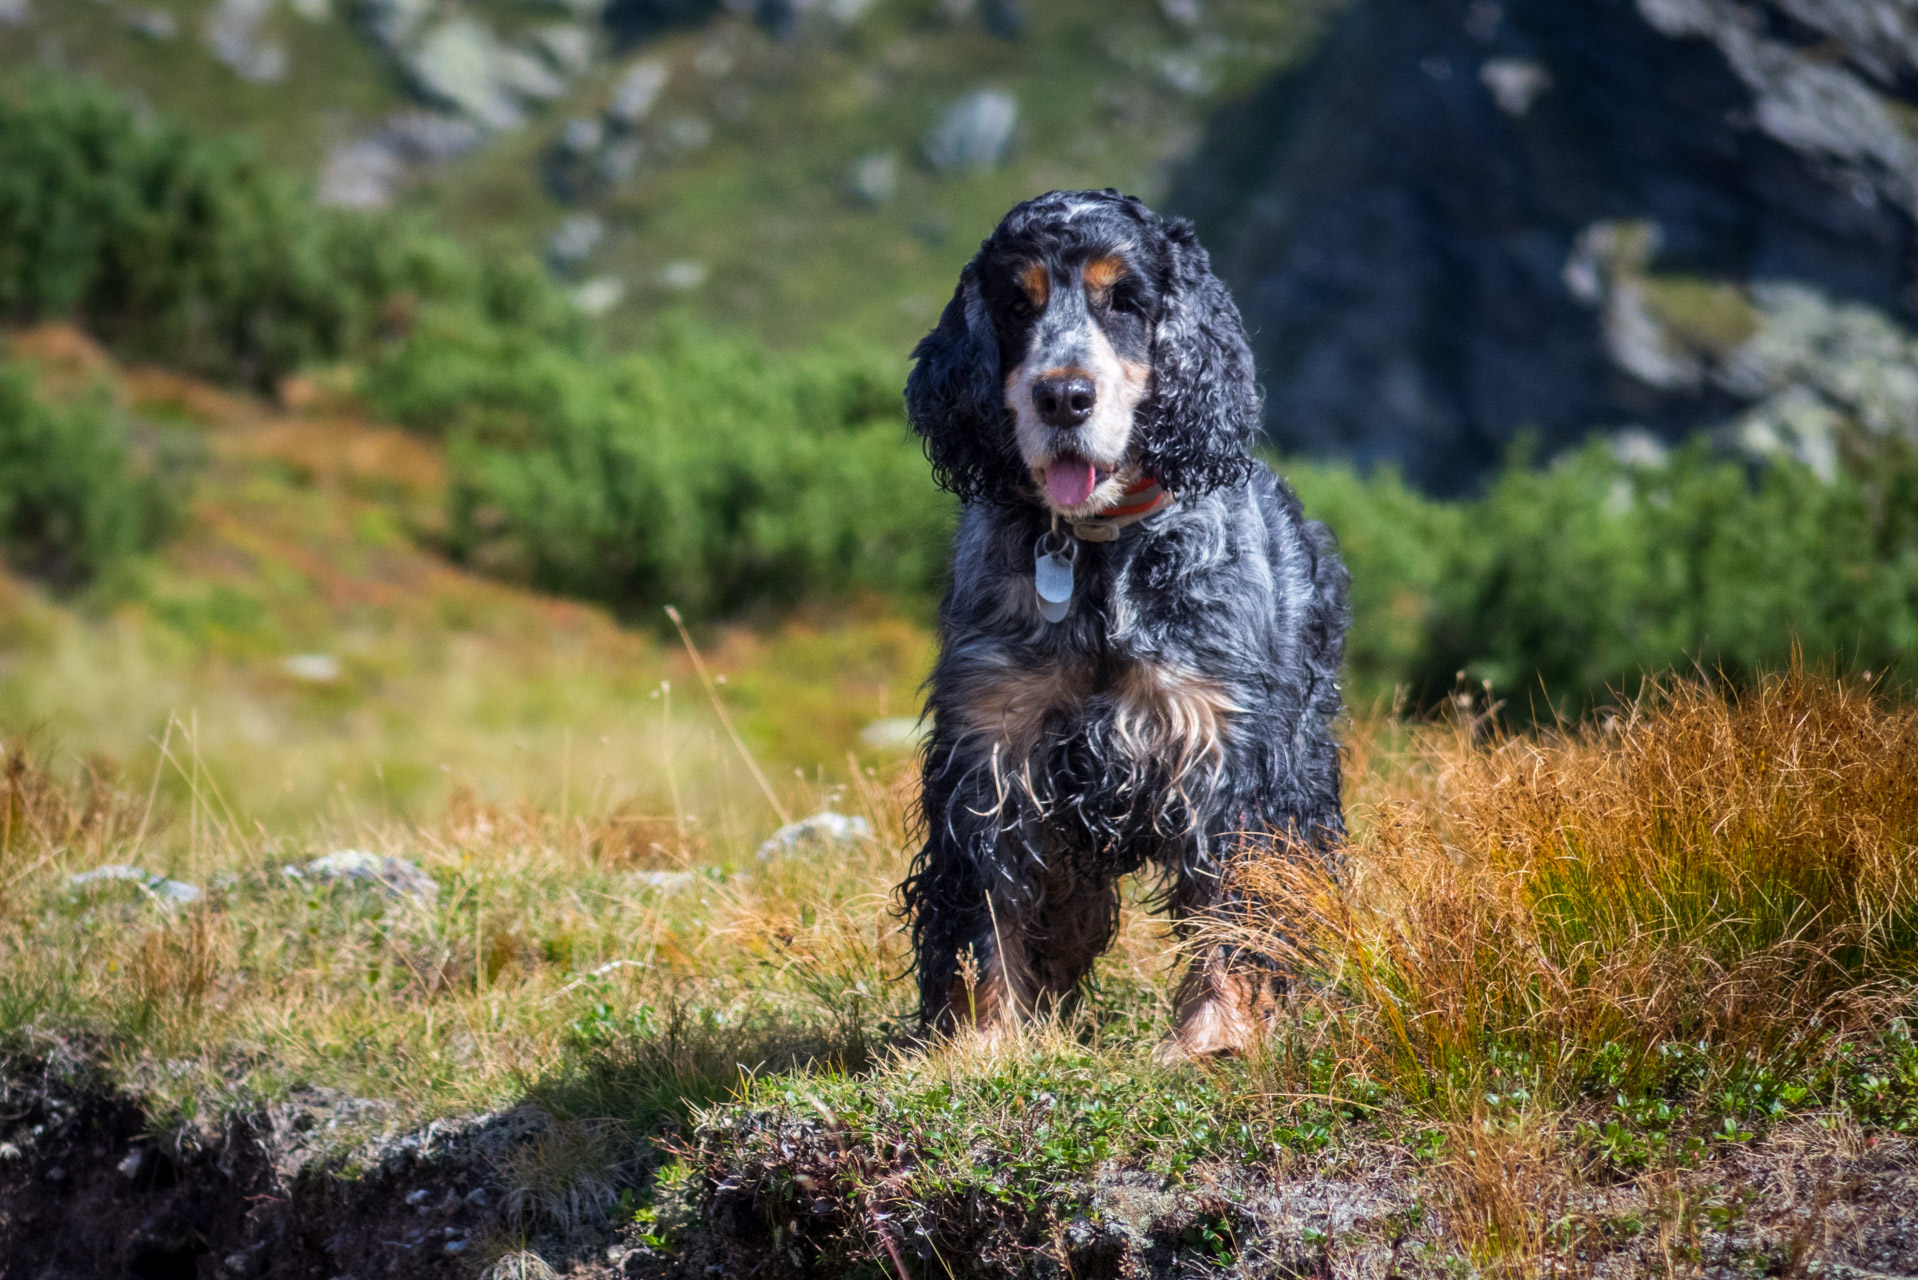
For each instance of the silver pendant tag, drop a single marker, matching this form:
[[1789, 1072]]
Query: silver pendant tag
[[1052, 575]]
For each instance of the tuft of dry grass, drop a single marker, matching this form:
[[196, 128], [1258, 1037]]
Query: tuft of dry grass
[[1731, 869]]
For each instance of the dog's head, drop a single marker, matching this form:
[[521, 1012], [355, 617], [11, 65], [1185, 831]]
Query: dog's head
[[1088, 343]]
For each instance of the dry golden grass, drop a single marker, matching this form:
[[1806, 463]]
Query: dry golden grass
[[1568, 952], [1728, 868]]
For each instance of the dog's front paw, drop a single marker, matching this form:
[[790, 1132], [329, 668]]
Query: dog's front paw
[[1221, 1012], [1211, 1029]]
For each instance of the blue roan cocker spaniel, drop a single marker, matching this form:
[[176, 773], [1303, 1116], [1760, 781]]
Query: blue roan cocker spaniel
[[1139, 652]]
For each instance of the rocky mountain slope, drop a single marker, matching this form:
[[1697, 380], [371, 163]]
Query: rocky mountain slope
[[1466, 219], [805, 170]]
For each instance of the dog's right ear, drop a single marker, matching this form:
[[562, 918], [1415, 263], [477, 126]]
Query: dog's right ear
[[954, 400]]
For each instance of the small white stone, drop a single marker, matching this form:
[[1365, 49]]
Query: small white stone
[[396, 875], [638, 89], [599, 295], [684, 275], [1515, 83], [973, 133], [875, 177], [822, 829], [317, 668], [168, 893]]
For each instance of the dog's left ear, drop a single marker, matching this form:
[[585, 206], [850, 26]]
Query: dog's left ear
[[954, 399], [1204, 408]]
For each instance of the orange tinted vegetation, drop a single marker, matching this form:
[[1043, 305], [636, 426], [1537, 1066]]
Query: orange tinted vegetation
[[1708, 866]]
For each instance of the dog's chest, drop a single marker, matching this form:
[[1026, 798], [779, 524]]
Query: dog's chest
[[1150, 711]]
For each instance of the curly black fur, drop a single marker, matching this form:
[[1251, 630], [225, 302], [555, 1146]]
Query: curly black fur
[[1062, 756]]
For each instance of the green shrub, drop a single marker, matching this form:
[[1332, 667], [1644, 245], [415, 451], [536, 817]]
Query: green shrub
[[1565, 584], [192, 251], [704, 474], [74, 499]]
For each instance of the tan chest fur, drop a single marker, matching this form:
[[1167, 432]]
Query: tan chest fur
[[1161, 713]]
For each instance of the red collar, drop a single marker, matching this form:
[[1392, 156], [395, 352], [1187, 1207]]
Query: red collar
[[1143, 497]]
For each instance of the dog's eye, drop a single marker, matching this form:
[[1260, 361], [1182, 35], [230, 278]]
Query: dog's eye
[[1126, 299]]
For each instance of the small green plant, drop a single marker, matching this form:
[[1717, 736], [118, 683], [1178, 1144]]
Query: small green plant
[[74, 497]]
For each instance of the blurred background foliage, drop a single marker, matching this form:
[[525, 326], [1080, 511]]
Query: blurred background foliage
[[652, 321]]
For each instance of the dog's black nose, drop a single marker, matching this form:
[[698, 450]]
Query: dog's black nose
[[1065, 401]]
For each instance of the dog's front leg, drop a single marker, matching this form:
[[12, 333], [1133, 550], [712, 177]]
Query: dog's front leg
[[965, 900], [1230, 992]]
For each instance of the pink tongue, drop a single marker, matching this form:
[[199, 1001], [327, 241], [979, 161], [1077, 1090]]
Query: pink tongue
[[1071, 481]]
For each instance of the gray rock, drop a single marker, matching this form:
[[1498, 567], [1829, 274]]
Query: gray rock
[[1459, 220], [154, 24], [233, 33], [1516, 83], [875, 177], [568, 45], [429, 137], [363, 173], [525, 75], [619, 162], [394, 23], [574, 240], [461, 63], [368, 172], [821, 830], [973, 133], [599, 295], [582, 136], [1466, 219], [682, 275], [15, 13], [165, 892], [355, 866], [639, 88]]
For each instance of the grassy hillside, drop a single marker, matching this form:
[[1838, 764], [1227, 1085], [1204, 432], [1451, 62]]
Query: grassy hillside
[[745, 162], [302, 648]]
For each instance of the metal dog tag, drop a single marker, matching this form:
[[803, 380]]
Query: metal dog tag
[[1052, 575]]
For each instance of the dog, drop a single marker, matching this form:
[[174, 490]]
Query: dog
[[1139, 648]]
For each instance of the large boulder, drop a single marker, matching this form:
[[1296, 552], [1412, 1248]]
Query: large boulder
[[1461, 220]]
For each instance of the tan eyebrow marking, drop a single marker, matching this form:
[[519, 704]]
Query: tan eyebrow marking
[[1037, 282], [1103, 272]]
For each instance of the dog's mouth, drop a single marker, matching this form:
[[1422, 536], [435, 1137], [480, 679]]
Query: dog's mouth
[[1071, 478]]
